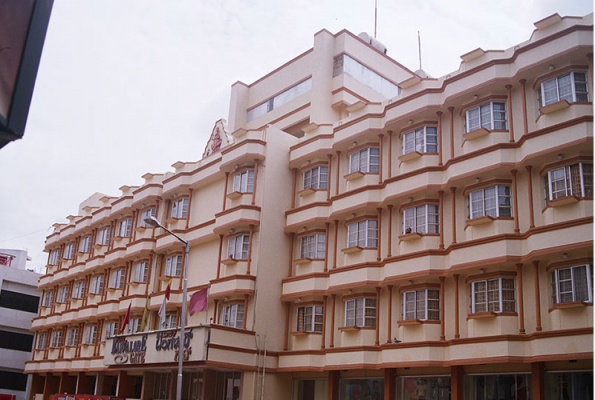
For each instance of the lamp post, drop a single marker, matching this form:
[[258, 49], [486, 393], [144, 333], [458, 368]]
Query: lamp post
[[154, 222]]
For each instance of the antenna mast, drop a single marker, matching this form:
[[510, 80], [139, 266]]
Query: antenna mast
[[419, 47], [375, 16]]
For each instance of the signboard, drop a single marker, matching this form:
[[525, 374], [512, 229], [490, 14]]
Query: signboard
[[156, 347], [63, 396]]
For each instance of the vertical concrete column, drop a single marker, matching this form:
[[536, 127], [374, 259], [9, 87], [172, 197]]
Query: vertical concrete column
[[439, 115], [377, 342], [225, 191], [530, 192], [454, 215], [219, 259], [324, 301], [245, 311], [190, 191], [441, 217], [389, 314], [335, 244], [250, 248], [294, 187], [99, 384], [255, 177], [389, 383], [332, 343], [389, 230], [328, 184], [538, 327], [286, 338], [378, 255], [333, 385], [519, 282], [326, 235], [51, 386], [515, 202], [390, 154], [457, 389], [510, 115], [381, 158], [85, 384], [290, 263], [125, 386], [337, 173], [37, 385], [442, 330], [452, 132], [524, 102], [538, 380], [457, 334]]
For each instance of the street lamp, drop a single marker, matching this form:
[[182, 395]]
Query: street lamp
[[154, 222]]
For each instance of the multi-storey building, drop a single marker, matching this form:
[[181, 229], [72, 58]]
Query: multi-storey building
[[19, 302], [364, 232]]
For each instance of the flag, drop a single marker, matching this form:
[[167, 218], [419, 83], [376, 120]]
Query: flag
[[168, 290], [143, 323], [126, 319], [162, 312], [198, 301]]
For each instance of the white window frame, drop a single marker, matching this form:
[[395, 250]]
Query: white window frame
[[500, 200], [134, 325], [359, 306], [170, 321], [557, 284], [497, 294], [417, 140], [363, 234], [542, 101], [85, 245], [238, 247], [125, 227], [56, 339], [149, 212], [55, 257], [62, 294], [90, 334], [365, 160], [69, 251], [567, 178], [41, 341], [117, 279], [179, 208], [72, 337], [48, 299], [173, 265], [111, 329], [420, 219], [482, 118], [277, 101], [316, 178], [416, 305], [97, 284], [243, 182], [309, 318], [141, 272], [313, 246], [103, 236], [233, 315], [79, 290], [344, 64]]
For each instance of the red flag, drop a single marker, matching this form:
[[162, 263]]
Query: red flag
[[126, 319], [198, 301], [168, 290]]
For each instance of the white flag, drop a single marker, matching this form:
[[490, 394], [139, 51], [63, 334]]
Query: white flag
[[162, 314]]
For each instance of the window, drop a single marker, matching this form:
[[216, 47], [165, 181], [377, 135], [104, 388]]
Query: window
[[141, 272], [280, 99], [85, 245], [69, 251], [103, 236], [55, 257], [16, 341], [170, 321], [233, 315], [149, 212], [48, 299], [56, 339], [79, 290], [161, 385], [344, 64], [572, 284], [423, 140], [499, 387], [118, 277], [360, 312], [436, 388], [19, 301], [244, 181], [421, 219], [363, 234], [237, 247], [569, 385], [97, 284], [366, 160], [72, 337], [571, 180], [173, 266], [41, 341], [313, 246], [423, 304], [571, 87], [134, 325], [111, 329], [495, 295], [62, 294], [125, 227], [491, 116], [179, 208], [90, 334], [309, 319], [13, 381], [493, 201], [316, 178]]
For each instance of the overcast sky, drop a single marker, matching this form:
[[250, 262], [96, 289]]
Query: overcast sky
[[129, 87]]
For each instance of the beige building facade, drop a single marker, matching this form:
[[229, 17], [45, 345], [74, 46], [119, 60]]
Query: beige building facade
[[363, 231]]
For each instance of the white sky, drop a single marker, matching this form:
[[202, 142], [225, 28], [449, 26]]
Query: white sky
[[129, 87]]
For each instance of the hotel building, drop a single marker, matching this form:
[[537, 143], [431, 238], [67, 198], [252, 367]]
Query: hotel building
[[364, 232]]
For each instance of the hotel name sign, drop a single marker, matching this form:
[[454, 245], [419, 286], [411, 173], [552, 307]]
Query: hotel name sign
[[156, 347]]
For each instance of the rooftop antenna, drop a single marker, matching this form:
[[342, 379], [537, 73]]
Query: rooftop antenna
[[375, 16], [419, 47]]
